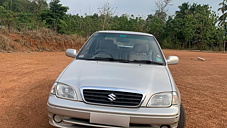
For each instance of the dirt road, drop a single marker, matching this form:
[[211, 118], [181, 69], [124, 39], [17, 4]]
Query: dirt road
[[26, 79]]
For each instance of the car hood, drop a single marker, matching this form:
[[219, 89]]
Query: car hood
[[147, 78]]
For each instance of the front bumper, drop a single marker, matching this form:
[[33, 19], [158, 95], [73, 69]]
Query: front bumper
[[78, 113]]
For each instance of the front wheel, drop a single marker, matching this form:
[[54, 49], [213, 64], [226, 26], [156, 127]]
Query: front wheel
[[182, 119]]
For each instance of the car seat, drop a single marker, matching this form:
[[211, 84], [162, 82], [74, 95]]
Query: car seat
[[109, 46], [140, 52]]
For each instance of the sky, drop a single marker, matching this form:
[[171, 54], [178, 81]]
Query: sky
[[131, 7]]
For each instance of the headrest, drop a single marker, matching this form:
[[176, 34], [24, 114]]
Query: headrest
[[140, 48], [107, 44]]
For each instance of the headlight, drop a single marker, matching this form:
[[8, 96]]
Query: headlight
[[161, 100], [63, 91]]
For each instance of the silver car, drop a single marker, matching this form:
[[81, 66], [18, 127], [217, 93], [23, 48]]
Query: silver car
[[118, 79]]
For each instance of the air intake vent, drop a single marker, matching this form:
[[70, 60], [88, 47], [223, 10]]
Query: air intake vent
[[113, 98]]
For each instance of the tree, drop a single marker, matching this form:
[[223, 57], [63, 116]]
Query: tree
[[194, 27], [155, 26], [184, 10], [156, 23], [161, 12], [106, 12], [25, 21], [54, 17], [7, 17], [39, 6], [222, 20]]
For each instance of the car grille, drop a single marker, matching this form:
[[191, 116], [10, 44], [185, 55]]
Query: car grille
[[113, 98]]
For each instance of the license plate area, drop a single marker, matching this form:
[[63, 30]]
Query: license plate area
[[109, 119]]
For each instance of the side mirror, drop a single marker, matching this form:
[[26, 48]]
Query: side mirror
[[172, 60], [71, 53]]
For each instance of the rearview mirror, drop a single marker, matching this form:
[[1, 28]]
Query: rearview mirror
[[172, 60], [71, 53]]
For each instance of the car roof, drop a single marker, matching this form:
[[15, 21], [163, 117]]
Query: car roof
[[125, 32]]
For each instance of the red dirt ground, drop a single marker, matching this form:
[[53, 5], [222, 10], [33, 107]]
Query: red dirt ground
[[26, 79]]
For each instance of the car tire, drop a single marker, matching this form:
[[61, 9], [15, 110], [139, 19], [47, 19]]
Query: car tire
[[182, 119]]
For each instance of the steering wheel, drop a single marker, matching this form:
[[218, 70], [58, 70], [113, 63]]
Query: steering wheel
[[104, 52]]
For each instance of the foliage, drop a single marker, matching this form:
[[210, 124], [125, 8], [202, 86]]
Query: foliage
[[54, 17], [193, 26], [7, 17], [106, 12], [222, 21], [223, 9]]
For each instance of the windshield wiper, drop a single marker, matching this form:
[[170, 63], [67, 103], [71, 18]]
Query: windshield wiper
[[145, 62], [101, 58], [124, 61], [108, 59]]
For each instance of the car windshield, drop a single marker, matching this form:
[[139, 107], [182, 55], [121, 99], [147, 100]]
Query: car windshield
[[127, 48]]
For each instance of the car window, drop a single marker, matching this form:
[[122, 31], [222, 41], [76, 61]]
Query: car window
[[128, 47]]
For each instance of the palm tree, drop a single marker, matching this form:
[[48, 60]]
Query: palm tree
[[222, 19]]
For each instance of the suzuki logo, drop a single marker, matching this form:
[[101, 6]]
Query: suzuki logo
[[112, 97]]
